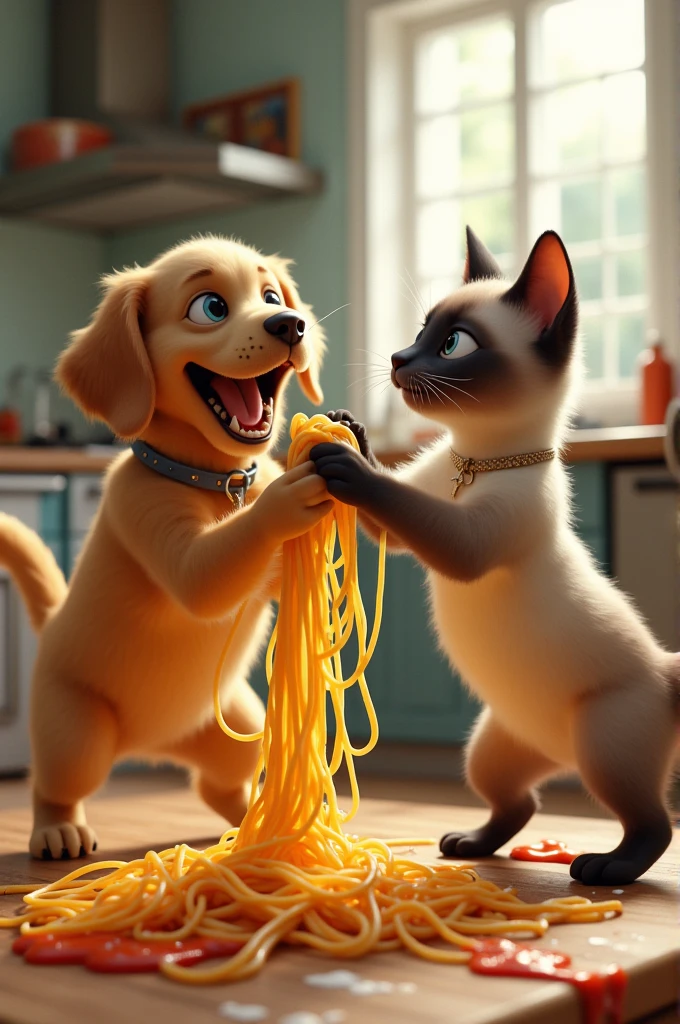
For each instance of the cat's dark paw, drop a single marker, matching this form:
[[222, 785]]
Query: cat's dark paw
[[635, 854], [605, 869], [468, 845], [348, 476], [358, 429]]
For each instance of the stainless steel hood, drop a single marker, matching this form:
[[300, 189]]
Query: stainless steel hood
[[110, 64]]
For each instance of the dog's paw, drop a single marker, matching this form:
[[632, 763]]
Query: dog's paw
[[62, 841]]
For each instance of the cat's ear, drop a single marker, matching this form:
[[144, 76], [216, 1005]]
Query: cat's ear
[[546, 289], [479, 263]]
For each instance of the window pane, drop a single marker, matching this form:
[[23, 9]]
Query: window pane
[[438, 156], [486, 54], [592, 329], [436, 288], [436, 69], [588, 274], [581, 210], [630, 273], [470, 63], [438, 239], [491, 217], [629, 202], [624, 117], [586, 37], [567, 129], [631, 334], [487, 145]]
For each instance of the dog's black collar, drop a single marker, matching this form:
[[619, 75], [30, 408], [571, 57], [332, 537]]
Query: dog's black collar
[[198, 477]]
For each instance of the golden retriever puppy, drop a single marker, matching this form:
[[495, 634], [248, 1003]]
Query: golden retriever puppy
[[191, 354]]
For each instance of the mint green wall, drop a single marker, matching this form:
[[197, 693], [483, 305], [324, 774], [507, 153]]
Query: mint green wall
[[24, 68], [47, 276], [47, 288], [221, 46]]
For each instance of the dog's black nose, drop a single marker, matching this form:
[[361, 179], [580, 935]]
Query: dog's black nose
[[287, 326]]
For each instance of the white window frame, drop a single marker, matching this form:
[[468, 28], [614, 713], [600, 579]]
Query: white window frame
[[379, 88]]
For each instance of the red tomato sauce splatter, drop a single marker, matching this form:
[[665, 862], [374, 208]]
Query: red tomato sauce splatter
[[600, 993], [117, 954], [550, 851]]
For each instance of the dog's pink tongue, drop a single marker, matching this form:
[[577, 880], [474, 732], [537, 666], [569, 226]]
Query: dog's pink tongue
[[241, 398]]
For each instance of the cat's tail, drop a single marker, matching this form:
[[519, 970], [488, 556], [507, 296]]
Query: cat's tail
[[33, 568]]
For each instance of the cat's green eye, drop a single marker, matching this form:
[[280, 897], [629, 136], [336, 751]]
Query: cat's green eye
[[457, 345]]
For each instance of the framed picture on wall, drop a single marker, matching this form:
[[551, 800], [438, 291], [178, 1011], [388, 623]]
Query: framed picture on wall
[[266, 118]]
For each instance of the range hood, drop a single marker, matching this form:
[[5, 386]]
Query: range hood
[[110, 64]]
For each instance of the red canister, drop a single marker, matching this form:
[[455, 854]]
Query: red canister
[[657, 384], [54, 140]]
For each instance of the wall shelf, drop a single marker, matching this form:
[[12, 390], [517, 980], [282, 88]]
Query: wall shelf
[[129, 186]]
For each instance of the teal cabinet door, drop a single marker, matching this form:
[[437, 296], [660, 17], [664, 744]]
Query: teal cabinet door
[[416, 694], [589, 480], [53, 525]]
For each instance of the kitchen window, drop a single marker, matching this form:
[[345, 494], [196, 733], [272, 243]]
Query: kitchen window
[[514, 117]]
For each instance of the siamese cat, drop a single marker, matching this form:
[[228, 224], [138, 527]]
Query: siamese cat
[[570, 675]]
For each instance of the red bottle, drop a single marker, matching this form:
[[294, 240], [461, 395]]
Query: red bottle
[[657, 383]]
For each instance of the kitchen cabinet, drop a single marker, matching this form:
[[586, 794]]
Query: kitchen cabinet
[[645, 503]]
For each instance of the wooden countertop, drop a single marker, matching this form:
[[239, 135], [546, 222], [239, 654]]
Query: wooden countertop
[[606, 444], [610, 444], [159, 815], [26, 459]]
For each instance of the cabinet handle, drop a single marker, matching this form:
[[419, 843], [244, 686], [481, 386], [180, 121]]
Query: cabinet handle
[[93, 493], [662, 483]]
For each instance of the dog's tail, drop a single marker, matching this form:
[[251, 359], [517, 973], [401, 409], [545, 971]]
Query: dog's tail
[[33, 568]]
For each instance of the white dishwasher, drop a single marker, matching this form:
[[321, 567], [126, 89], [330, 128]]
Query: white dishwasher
[[20, 496], [645, 545]]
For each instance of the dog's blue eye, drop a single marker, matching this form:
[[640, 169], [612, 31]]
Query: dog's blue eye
[[209, 308], [272, 297], [457, 345]]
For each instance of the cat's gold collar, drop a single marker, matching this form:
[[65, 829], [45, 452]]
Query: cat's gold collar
[[468, 468]]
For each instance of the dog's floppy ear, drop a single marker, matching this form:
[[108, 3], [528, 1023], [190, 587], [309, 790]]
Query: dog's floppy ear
[[105, 369], [316, 340]]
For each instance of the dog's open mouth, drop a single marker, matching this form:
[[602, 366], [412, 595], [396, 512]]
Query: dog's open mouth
[[243, 406]]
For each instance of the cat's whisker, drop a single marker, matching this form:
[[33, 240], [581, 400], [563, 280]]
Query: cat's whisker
[[375, 378], [449, 398], [430, 392], [440, 394], [427, 389], [410, 299], [415, 291], [321, 319], [434, 376], [375, 384], [416, 300], [372, 352], [447, 381], [372, 370]]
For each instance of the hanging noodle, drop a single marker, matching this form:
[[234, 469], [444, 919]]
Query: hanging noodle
[[291, 873]]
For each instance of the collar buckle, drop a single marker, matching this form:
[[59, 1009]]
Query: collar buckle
[[237, 492]]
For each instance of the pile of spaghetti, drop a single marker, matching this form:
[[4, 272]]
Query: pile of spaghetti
[[291, 873]]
